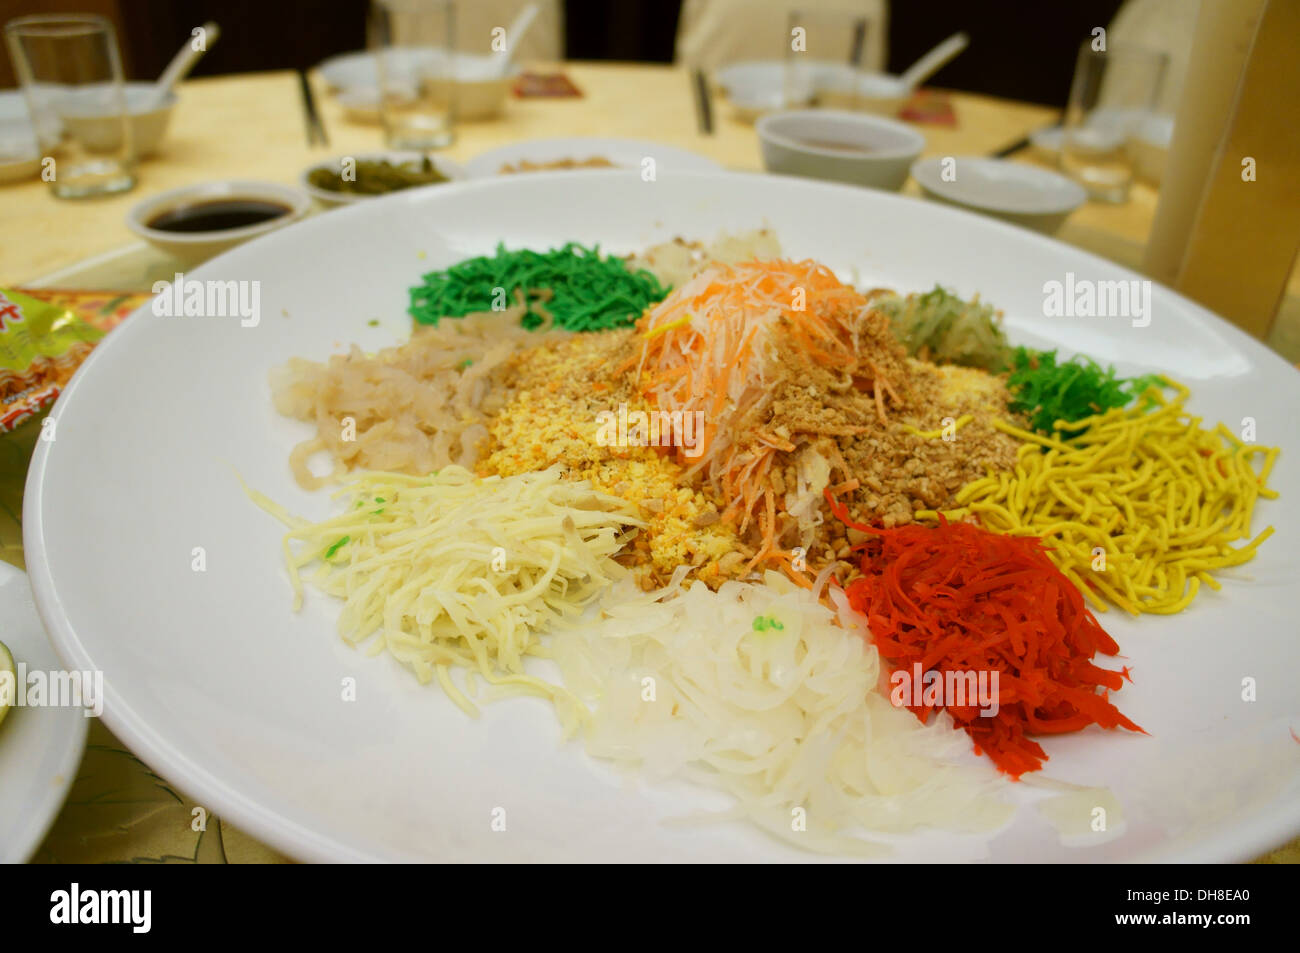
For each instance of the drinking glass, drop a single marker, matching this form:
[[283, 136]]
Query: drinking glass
[[824, 54], [71, 76], [1113, 91], [414, 43]]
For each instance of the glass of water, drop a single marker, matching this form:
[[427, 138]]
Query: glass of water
[[71, 76], [1113, 91], [414, 44]]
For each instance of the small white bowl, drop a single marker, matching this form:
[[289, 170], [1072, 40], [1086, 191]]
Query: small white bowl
[[20, 151], [875, 152], [480, 89], [1015, 192], [194, 247], [328, 199], [17, 168], [85, 120], [758, 87], [880, 93]]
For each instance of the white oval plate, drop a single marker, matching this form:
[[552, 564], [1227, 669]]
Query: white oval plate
[[213, 682], [623, 153], [40, 748]]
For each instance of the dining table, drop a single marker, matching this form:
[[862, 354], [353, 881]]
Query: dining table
[[251, 126]]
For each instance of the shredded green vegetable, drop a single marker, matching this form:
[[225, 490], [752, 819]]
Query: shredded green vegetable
[[1048, 391], [588, 292], [764, 622], [338, 544], [938, 326]]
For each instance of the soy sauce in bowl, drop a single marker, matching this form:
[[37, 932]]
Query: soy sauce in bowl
[[216, 215]]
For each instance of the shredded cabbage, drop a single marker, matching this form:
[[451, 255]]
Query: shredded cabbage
[[758, 690]]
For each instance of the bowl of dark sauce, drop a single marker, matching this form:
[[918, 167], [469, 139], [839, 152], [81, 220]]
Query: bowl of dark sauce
[[196, 222]]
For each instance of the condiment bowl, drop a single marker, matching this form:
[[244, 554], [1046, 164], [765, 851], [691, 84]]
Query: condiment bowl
[[880, 93], [85, 119], [328, 199], [194, 247], [480, 89], [840, 146], [757, 88]]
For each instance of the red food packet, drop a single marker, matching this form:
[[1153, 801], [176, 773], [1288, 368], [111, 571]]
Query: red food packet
[[44, 338], [929, 106], [545, 86]]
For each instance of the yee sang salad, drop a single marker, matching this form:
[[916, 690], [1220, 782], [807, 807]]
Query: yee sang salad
[[742, 507]]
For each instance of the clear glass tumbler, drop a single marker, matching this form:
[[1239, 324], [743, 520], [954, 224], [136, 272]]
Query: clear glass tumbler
[[414, 44], [71, 76], [1113, 91]]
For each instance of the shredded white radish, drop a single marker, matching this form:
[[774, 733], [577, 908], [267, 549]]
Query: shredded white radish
[[758, 690]]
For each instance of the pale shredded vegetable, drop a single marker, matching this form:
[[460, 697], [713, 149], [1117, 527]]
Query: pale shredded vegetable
[[457, 570], [409, 409], [759, 691]]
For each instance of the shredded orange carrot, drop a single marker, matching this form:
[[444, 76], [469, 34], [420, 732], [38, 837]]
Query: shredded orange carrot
[[711, 346], [705, 346], [779, 442]]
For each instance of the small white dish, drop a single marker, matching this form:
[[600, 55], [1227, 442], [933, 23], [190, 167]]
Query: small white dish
[[1012, 191], [20, 154], [83, 117], [349, 70], [839, 146], [360, 103], [193, 247], [17, 168], [16, 121], [328, 199], [40, 748], [755, 88], [880, 93], [480, 88], [621, 153]]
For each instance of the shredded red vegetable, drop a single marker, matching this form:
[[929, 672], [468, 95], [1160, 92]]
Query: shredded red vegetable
[[958, 598]]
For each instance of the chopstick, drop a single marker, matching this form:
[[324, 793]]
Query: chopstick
[[1024, 142], [1012, 148], [703, 102], [315, 130], [859, 43]]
